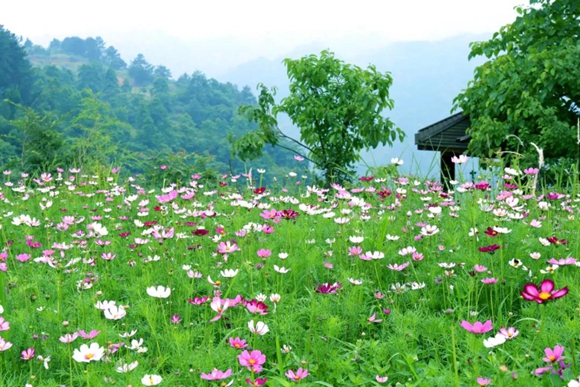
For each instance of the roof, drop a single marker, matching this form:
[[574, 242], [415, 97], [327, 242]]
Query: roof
[[449, 134]]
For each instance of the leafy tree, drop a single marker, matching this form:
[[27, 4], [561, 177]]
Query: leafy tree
[[162, 72], [73, 45], [39, 144], [530, 87], [337, 107], [141, 71], [112, 58], [15, 71], [94, 48]]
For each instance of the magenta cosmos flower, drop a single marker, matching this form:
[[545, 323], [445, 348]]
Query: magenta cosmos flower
[[544, 293], [477, 327]]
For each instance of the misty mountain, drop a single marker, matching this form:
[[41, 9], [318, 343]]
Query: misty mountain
[[427, 76]]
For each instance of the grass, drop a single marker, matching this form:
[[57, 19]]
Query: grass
[[388, 312]]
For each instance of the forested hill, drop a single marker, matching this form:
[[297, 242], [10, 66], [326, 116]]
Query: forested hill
[[78, 104]]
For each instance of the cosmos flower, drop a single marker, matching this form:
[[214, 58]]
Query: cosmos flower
[[298, 375], [159, 291], [252, 360], [544, 293], [86, 354], [477, 327], [151, 380], [216, 374], [259, 328]]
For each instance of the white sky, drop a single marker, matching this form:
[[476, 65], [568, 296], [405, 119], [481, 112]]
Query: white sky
[[225, 33]]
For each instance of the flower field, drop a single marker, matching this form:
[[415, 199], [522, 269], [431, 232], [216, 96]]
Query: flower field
[[392, 280]]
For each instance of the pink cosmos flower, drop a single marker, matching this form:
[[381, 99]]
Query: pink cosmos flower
[[374, 319], [4, 325], [168, 197], [269, 214], [238, 343], [27, 354], [477, 327], [354, 250], [216, 374], [480, 268], [23, 257], [544, 293], [252, 360], [264, 253], [554, 355], [509, 333], [299, 375], [227, 247], [562, 261], [397, 267], [4, 345], [381, 379], [483, 381], [88, 336], [68, 338], [258, 382], [489, 281], [198, 300]]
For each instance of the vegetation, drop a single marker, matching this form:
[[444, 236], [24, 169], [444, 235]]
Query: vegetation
[[390, 281], [528, 92], [338, 108], [82, 106]]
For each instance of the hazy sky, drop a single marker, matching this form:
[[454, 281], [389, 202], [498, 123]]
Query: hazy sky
[[251, 28]]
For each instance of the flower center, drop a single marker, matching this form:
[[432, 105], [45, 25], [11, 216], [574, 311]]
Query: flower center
[[544, 296], [552, 358], [252, 361], [89, 356]]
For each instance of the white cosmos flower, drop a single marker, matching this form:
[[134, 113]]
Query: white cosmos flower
[[259, 328], [275, 298], [102, 305], [494, 341], [124, 368], [281, 270], [99, 229], [151, 380], [355, 282], [128, 334], [86, 354], [356, 239], [229, 273], [159, 291], [115, 312], [429, 230]]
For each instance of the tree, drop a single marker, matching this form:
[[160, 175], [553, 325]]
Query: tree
[[530, 87], [15, 70], [141, 71], [162, 72], [337, 107]]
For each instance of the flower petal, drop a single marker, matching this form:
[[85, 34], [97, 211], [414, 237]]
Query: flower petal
[[547, 286]]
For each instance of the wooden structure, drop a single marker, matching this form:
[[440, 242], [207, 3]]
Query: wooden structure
[[448, 136]]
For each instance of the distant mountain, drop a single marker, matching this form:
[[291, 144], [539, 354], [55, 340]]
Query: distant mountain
[[426, 78]]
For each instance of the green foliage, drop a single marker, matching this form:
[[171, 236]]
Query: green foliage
[[85, 113], [15, 71], [530, 87], [338, 108]]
